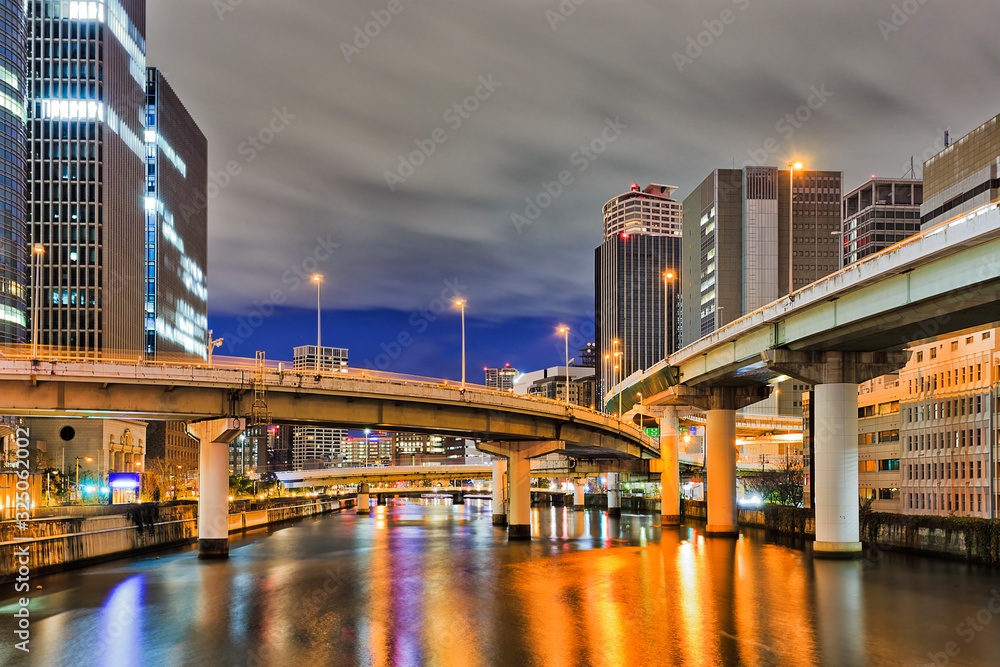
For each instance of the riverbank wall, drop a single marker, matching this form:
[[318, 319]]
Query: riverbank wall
[[967, 539], [70, 537]]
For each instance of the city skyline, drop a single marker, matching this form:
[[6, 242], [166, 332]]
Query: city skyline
[[326, 131]]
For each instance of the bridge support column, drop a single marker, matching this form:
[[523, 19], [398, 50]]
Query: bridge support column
[[670, 475], [364, 501], [213, 483], [720, 464], [458, 498], [838, 532], [579, 492], [519, 455], [380, 499], [614, 496], [499, 492], [836, 375]]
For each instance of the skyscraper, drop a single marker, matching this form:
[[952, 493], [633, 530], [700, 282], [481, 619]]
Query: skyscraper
[[636, 306], [87, 159], [176, 289], [736, 241], [318, 447], [13, 231]]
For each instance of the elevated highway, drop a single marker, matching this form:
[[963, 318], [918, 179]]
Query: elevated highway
[[219, 401], [846, 328]]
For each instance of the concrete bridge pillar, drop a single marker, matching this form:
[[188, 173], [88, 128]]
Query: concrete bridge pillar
[[458, 498], [614, 496], [380, 499], [519, 455], [579, 492], [720, 454], [364, 502], [836, 375], [499, 492], [720, 464], [213, 483], [670, 475]]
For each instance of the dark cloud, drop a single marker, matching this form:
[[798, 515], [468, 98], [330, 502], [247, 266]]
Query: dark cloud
[[892, 92]]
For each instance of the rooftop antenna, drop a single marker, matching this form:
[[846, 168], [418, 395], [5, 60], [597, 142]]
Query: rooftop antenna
[[912, 172], [947, 140]]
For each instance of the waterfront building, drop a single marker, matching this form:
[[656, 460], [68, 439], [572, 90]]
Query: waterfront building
[[314, 447]]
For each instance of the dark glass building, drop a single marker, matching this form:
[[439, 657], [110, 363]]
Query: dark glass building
[[635, 306], [87, 165], [13, 231], [176, 205]]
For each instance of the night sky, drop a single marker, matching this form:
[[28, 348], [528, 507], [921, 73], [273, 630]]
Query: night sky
[[342, 153]]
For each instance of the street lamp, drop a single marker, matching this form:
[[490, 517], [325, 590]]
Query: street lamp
[[318, 279], [36, 255], [461, 304], [88, 459], [792, 166], [212, 344], [667, 276], [564, 330]]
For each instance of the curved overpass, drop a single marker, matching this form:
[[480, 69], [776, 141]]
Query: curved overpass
[[358, 399]]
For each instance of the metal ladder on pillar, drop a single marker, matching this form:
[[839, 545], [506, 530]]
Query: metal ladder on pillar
[[260, 414]]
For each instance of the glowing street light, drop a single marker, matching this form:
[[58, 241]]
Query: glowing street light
[[212, 344], [792, 166], [564, 330], [36, 255], [460, 303], [667, 276], [318, 279]]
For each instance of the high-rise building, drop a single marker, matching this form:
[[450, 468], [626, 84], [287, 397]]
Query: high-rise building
[[318, 447], [87, 168], [736, 241], [176, 288], [637, 269], [737, 252], [948, 432], [963, 176], [551, 383], [878, 443], [410, 449], [877, 214], [169, 441], [501, 378], [13, 230]]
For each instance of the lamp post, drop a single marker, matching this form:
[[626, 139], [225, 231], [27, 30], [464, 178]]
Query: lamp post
[[666, 317], [564, 330], [212, 344], [792, 166], [36, 255], [461, 305], [318, 279]]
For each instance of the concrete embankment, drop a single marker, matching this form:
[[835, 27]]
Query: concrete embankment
[[956, 538], [78, 536]]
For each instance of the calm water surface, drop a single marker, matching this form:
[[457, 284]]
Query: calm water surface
[[439, 585]]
